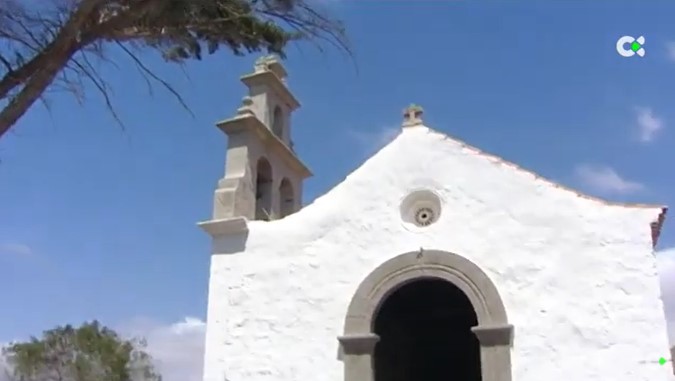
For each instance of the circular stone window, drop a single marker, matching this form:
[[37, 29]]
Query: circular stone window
[[421, 208]]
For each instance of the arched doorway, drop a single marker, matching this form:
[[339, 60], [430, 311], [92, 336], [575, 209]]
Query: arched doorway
[[410, 273], [424, 331]]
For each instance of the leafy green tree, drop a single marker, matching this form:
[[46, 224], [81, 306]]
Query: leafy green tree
[[90, 352], [57, 42]]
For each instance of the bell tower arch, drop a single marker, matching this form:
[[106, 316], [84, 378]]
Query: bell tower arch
[[261, 166]]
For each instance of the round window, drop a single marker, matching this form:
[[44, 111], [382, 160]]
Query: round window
[[421, 208], [424, 216]]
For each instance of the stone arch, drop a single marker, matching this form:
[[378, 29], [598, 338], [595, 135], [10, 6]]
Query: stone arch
[[263, 189], [278, 122], [286, 198], [493, 331]]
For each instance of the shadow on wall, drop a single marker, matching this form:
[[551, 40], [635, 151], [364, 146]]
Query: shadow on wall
[[230, 244]]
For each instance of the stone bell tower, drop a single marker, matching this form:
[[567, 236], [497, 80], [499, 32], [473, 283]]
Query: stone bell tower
[[263, 176]]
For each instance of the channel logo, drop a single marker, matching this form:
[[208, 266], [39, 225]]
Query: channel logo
[[628, 46]]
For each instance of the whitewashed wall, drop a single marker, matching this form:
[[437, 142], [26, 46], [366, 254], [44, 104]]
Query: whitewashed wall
[[578, 276]]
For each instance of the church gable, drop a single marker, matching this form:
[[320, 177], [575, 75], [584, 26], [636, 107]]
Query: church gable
[[424, 176]]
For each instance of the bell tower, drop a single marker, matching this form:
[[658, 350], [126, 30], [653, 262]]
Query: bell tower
[[263, 176]]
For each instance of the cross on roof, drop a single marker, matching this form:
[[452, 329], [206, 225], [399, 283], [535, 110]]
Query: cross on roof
[[412, 115]]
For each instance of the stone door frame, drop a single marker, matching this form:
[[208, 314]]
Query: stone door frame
[[493, 331]]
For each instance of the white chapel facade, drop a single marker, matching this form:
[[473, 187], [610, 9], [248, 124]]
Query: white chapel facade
[[432, 261]]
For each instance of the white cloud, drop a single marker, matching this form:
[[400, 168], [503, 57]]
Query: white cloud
[[604, 179], [648, 124], [177, 348], [371, 141], [15, 250], [666, 266], [670, 50]]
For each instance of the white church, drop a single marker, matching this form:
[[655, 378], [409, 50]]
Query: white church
[[433, 261]]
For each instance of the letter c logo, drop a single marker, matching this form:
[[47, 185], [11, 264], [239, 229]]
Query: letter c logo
[[628, 46]]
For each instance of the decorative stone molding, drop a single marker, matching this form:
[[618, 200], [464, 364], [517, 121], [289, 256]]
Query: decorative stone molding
[[262, 62], [495, 335], [270, 63], [246, 107], [493, 331], [271, 141], [229, 226], [358, 344], [277, 85]]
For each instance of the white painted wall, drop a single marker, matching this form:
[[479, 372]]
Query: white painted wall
[[577, 276]]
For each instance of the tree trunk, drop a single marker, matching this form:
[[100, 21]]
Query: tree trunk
[[32, 91], [41, 71], [16, 77]]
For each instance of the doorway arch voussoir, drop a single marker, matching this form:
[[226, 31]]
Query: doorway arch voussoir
[[493, 331]]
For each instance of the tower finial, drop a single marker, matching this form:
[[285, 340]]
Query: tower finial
[[246, 106], [262, 63], [412, 115], [271, 63]]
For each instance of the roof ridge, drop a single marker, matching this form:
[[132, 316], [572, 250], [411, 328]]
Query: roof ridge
[[519, 168], [655, 226]]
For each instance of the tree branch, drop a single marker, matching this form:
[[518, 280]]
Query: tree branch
[[65, 40], [50, 49], [32, 91]]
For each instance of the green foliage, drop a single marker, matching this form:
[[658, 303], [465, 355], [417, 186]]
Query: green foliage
[[90, 352], [185, 29]]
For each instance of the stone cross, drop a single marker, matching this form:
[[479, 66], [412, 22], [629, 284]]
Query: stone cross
[[262, 63], [412, 116]]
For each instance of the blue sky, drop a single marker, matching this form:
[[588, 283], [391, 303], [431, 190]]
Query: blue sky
[[99, 222]]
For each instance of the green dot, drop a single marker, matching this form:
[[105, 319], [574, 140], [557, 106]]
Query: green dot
[[635, 46], [662, 361]]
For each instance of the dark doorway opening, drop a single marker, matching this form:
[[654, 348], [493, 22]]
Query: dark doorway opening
[[425, 334]]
